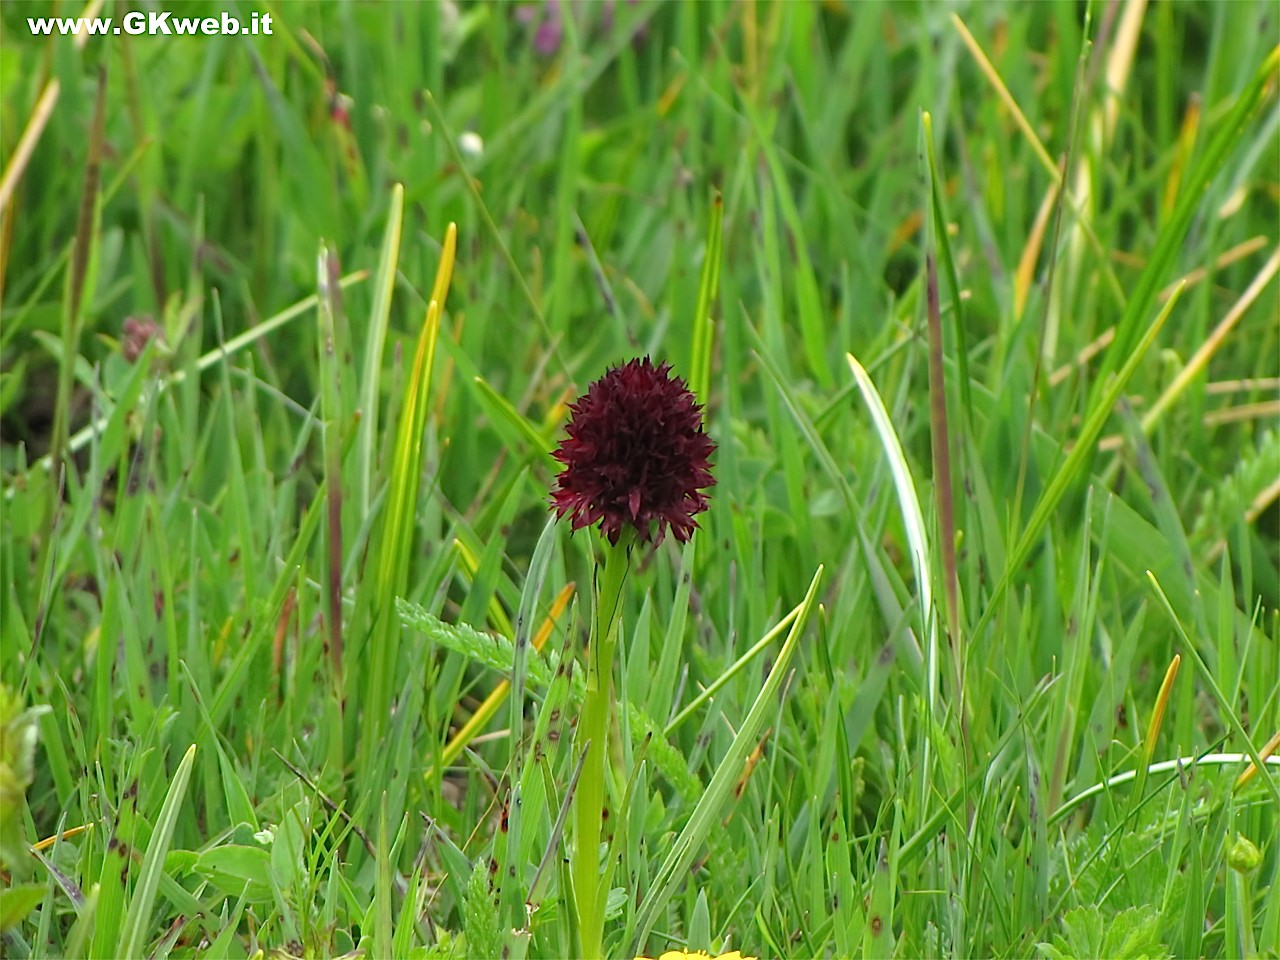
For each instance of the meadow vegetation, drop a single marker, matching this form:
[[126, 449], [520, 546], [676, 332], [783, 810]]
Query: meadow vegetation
[[976, 651]]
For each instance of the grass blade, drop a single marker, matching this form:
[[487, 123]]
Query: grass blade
[[384, 280], [912, 519], [708, 288], [703, 818], [138, 917], [1074, 464], [391, 572]]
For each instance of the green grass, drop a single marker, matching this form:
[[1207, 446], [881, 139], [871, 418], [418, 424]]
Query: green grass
[[982, 300]]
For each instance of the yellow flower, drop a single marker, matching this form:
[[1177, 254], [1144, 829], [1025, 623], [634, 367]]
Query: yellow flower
[[699, 955]]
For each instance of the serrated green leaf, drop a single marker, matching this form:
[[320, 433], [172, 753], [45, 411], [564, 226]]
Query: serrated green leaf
[[493, 651]]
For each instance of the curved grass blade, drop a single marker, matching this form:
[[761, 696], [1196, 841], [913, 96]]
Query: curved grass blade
[[912, 517], [705, 815], [1074, 464], [504, 412], [1261, 88], [731, 672], [144, 895]]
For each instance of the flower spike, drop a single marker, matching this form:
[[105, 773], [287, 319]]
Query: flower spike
[[635, 455]]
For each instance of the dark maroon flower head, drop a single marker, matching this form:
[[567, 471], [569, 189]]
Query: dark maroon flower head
[[635, 455], [135, 334]]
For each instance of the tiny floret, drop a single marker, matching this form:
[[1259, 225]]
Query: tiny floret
[[635, 455]]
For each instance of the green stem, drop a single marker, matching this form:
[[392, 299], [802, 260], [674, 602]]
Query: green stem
[[593, 735]]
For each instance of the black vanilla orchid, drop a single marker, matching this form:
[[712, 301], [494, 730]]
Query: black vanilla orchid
[[635, 455]]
